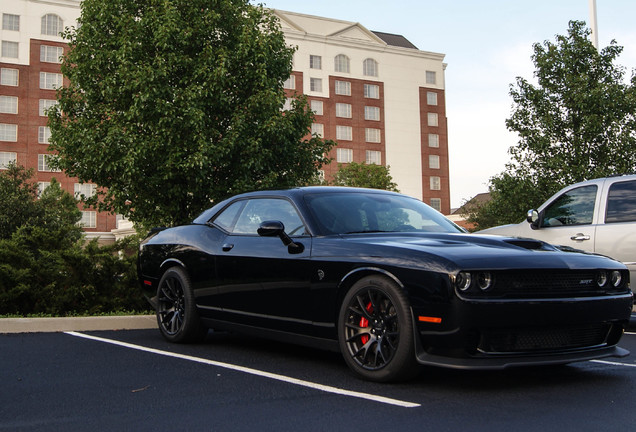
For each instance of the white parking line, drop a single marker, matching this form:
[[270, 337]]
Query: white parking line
[[257, 372], [613, 363]]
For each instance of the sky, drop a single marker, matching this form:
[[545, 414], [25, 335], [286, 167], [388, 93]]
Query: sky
[[487, 44]]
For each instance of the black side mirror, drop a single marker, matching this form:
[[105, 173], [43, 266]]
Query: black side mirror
[[533, 218], [277, 229]]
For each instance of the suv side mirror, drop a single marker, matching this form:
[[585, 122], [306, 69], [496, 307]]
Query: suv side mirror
[[533, 218]]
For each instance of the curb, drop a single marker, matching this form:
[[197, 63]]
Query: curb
[[50, 325]]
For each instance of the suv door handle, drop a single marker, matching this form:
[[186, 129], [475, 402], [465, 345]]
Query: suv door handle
[[227, 247], [580, 237]]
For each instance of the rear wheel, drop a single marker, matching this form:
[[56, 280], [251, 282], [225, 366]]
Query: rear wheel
[[176, 310], [375, 331]]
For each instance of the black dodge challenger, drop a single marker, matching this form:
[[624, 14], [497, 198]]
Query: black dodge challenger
[[384, 279]]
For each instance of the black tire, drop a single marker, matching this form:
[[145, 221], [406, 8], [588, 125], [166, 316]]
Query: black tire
[[177, 316], [375, 331]]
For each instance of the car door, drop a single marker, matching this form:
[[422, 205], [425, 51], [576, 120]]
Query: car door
[[616, 237], [569, 219], [260, 281]]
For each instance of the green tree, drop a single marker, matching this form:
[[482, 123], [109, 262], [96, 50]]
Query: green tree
[[576, 123], [173, 104], [45, 265], [17, 199], [363, 175]]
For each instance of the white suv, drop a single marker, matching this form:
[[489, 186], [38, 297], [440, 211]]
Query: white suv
[[596, 216]]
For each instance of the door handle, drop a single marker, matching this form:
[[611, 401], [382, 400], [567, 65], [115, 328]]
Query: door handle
[[580, 237], [227, 247]]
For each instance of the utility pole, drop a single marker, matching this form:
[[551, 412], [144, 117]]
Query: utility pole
[[593, 23]]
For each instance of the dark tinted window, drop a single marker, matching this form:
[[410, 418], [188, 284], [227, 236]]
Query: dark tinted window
[[574, 207], [359, 212], [257, 211], [621, 202]]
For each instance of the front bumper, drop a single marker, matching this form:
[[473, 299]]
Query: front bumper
[[495, 334]]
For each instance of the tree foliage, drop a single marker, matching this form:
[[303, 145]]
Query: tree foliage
[[365, 175], [45, 267], [173, 104], [577, 122]]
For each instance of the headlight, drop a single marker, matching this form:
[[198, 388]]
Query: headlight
[[601, 278], [484, 280], [463, 281], [616, 278]]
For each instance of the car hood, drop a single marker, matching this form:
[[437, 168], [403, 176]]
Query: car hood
[[472, 251]]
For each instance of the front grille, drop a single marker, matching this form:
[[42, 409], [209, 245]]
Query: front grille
[[547, 339], [544, 284]]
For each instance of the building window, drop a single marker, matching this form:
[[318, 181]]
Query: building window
[[44, 133], [45, 104], [344, 133], [433, 119], [6, 158], [290, 83], [8, 132], [372, 91], [89, 219], [436, 183], [371, 113], [436, 203], [9, 49], [315, 84], [50, 81], [344, 155], [370, 67], [315, 62], [318, 129], [10, 22], [431, 98], [343, 110], [9, 77], [373, 157], [86, 190], [372, 135], [343, 88], [51, 54], [42, 186], [433, 161], [341, 63], [433, 140], [8, 104], [317, 107], [431, 77], [52, 25], [288, 104], [44, 163]]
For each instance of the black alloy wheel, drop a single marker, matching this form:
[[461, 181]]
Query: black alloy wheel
[[375, 331], [176, 310]]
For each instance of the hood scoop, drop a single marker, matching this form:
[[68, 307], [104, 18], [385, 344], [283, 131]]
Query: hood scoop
[[529, 244]]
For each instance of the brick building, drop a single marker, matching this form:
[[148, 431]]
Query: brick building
[[376, 94]]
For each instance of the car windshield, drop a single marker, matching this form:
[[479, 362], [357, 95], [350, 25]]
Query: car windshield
[[362, 212]]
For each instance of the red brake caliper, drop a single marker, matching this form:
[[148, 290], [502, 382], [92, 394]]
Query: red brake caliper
[[365, 323]]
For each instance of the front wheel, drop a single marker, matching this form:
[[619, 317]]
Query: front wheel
[[176, 310], [375, 331]]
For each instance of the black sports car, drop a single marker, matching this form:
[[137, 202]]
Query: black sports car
[[384, 279]]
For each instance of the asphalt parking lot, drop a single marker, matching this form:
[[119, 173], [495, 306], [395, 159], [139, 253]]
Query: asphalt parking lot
[[134, 380]]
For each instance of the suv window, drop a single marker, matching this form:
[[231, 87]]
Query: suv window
[[621, 202], [574, 207]]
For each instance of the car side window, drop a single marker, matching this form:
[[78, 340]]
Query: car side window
[[227, 218], [259, 210], [574, 207], [621, 202]]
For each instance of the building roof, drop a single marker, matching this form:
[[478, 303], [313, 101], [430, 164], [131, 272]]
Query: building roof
[[394, 40], [477, 200]]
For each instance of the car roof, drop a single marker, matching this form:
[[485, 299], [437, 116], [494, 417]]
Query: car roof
[[293, 193]]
